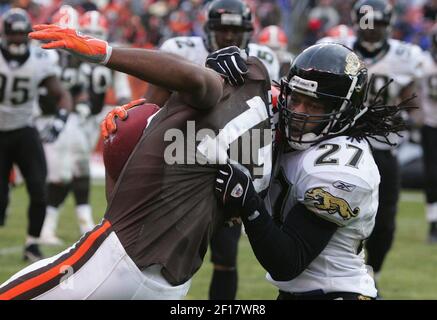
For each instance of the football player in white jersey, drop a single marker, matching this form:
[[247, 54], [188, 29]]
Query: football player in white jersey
[[66, 170], [429, 134], [90, 83], [228, 23], [24, 70], [324, 193], [385, 59]]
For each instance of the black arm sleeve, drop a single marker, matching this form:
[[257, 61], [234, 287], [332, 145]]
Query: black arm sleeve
[[286, 251]]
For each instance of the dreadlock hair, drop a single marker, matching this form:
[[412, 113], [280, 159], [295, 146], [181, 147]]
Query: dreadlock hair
[[380, 119]]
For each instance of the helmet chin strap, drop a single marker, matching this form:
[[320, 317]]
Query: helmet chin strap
[[302, 145], [372, 46], [213, 46], [212, 41], [17, 49], [307, 139], [246, 38]]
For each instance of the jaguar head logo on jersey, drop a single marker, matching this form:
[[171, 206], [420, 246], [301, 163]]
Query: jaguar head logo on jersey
[[322, 95], [228, 23], [324, 201], [15, 28]]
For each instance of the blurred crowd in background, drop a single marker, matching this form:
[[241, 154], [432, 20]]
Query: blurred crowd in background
[[147, 23]]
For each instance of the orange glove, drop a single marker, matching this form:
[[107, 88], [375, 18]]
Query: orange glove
[[109, 125], [82, 46]]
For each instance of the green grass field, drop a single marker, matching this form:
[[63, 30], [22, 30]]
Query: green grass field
[[410, 272]]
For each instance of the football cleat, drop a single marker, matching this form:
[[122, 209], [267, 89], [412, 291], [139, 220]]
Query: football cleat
[[50, 241], [32, 253]]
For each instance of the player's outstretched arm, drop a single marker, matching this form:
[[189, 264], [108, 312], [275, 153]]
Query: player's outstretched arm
[[199, 87]]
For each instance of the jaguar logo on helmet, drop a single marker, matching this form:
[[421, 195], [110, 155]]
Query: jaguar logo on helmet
[[353, 64]]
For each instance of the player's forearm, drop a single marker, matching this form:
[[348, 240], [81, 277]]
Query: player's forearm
[[200, 87], [61, 97], [287, 251], [65, 101], [414, 104]]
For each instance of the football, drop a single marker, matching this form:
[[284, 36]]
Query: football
[[119, 145]]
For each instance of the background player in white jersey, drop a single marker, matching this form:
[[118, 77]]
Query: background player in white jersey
[[89, 84], [228, 23], [324, 192], [276, 39], [24, 69], [64, 156], [385, 59], [429, 134], [99, 79]]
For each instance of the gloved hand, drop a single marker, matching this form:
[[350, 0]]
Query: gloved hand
[[83, 109], [51, 132], [82, 46], [109, 125], [233, 188], [230, 62]]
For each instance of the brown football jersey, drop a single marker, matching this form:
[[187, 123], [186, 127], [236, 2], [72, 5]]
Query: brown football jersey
[[163, 207]]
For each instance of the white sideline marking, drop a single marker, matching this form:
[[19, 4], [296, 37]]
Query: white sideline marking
[[10, 250], [413, 197]]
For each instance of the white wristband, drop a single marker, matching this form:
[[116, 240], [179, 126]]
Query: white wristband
[[108, 54]]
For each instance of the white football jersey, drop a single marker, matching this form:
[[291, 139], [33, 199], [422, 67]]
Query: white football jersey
[[336, 180], [194, 50], [402, 63], [99, 79], [19, 87], [429, 91]]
